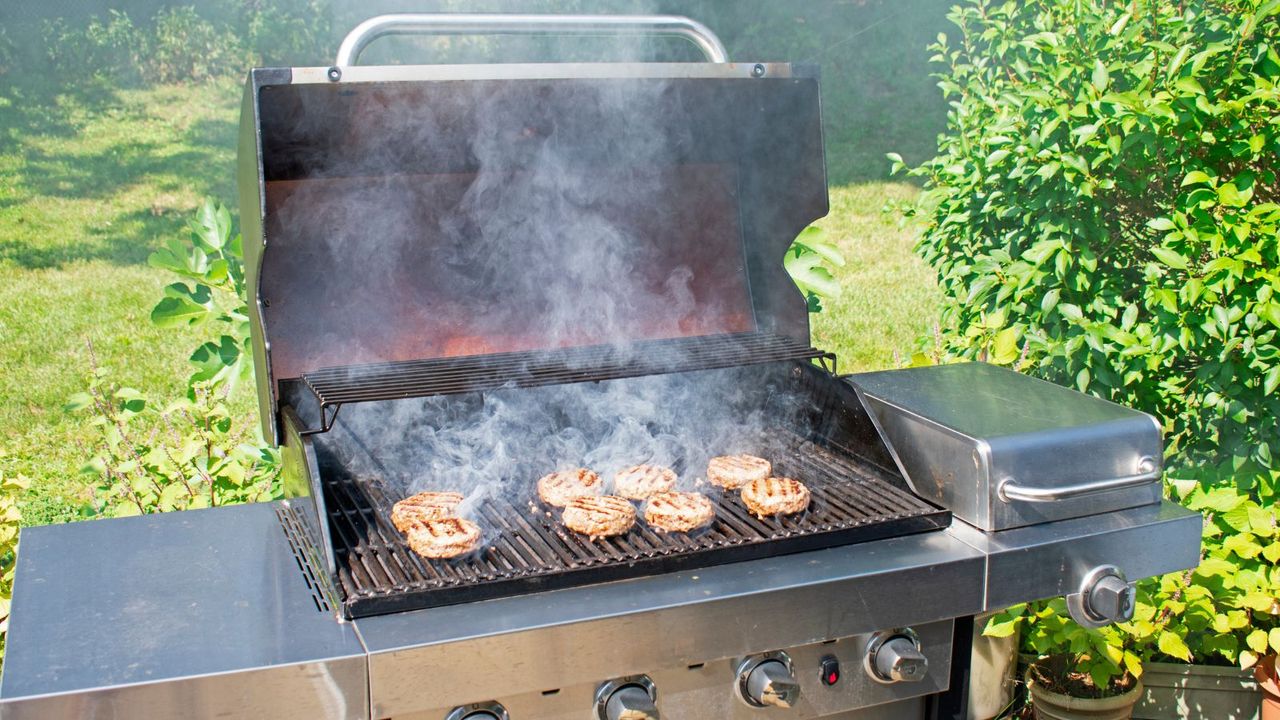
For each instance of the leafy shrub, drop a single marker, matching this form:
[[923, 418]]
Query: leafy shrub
[[200, 454], [1102, 212], [114, 48], [179, 44], [288, 32], [185, 46], [9, 521], [6, 52], [809, 263]]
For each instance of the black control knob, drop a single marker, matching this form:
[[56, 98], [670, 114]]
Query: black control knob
[[771, 683], [898, 659], [633, 698]]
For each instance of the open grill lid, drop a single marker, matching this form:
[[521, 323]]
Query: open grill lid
[[450, 228]]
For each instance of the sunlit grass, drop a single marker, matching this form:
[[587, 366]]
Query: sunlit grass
[[889, 296], [90, 182]]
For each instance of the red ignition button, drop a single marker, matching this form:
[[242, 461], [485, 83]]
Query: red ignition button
[[830, 671]]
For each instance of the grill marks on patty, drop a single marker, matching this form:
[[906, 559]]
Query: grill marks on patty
[[733, 471], [679, 511], [445, 538], [775, 496], [643, 481], [430, 505], [558, 489], [599, 516]]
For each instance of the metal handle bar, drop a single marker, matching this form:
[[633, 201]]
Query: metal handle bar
[[502, 24], [1009, 490]]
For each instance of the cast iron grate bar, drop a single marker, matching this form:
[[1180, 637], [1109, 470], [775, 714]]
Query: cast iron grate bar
[[331, 388], [527, 550]]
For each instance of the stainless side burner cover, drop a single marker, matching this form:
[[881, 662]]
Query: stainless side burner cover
[[1001, 449]]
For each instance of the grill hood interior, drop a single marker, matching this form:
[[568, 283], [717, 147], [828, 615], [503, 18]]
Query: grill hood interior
[[438, 218]]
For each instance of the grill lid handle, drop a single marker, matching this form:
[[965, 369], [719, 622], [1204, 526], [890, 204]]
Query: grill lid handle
[[504, 24], [1148, 470]]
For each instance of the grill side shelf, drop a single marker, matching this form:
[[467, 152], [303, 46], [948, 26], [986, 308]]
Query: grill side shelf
[[527, 551], [321, 394]]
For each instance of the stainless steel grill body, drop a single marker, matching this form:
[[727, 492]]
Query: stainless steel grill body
[[208, 614]]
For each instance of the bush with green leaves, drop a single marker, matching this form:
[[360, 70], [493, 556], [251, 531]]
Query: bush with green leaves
[[187, 42], [1102, 212], [10, 519], [809, 262], [199, 453]]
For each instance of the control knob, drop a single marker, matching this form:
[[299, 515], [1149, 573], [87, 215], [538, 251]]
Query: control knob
[[1104, 597], [895, 657], [478, 711], [768, 681], [629, 698]]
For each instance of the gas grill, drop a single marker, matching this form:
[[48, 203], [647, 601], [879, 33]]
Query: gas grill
[[465, 277]]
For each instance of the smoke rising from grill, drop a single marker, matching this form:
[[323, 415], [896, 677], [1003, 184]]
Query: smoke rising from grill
[[501, 441], [473, 218]]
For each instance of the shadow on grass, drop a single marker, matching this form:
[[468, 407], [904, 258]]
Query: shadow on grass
[[197, 159]]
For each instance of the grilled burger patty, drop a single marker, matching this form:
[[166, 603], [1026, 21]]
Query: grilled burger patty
[[444, 538], [734, 471], [558, 488], [775, 496], [679, 511], [599, 516], [428, 505], [643, 481]]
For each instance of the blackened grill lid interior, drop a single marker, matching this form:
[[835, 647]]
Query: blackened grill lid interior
[[413, 220]]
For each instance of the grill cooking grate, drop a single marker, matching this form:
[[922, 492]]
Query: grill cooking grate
[[526, 551], [328, 389]]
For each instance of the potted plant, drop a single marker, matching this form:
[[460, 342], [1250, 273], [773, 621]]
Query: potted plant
[[1077, 672], [1205, 630]]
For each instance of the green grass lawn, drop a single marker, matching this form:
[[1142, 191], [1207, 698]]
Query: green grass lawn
[[92, 180]]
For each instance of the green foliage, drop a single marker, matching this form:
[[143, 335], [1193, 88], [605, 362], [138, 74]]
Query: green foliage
[[9, 521], [1098, 662], [1102, 212], [6, 52], [201, 454], [809, 261], [211, 296], [180, 44], [184, 46]]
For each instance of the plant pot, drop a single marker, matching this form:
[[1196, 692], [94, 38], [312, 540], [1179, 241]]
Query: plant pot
[[991, 672], [1268, 677], [1178, 691], [1056, 706]]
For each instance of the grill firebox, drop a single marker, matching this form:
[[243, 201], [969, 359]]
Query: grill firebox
[[801, 417], [526, 550]]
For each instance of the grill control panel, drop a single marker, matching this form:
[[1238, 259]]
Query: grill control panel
[[863, 677]]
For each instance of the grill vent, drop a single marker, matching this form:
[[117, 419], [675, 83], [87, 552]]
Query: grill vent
[[303, 554]]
